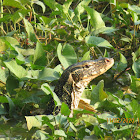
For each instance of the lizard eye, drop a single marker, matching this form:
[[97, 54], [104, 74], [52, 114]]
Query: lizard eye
[[87, 66]]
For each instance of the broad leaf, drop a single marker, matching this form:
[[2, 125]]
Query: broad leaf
[[12, 108], [34, 121], [11, 84], [97, 41], [46, 88], [65, 109], [122, 64], [40, 4], [98, 93], [18, 70], [66, 55], [86, 56], [13, 3], [60, 133], [80, 9], [136, 68], [29, 30], [96, 20], [66, 6], [39, 55], [48, 74]]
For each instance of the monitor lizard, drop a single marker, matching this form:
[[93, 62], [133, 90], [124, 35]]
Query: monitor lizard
[[76, 77]]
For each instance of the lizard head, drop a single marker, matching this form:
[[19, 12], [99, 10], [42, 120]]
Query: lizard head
[[90, 69]]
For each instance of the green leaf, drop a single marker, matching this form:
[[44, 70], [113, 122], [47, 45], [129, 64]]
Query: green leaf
[[98, 131], [48, 74], [122, 64], [98, 93], [11, 84], [39, 55], [51, 4], [136, 68], [66, 6], [80, 9], [13, 3], [136, 55], [104, 30], [18, 70], [33, 121], [95, 18], [97, 41], [66, 55], [135, 85], [134, 8], [135, 106], [3, 75], [47, 121], [126, 39], [3, 99], [60, 133], [42, 135], [12, 108], [3, 45], [46, 88], [15, 17], [40, 4], [30, 30], [11, 40], [113, 2], [65, 109], [86, 56], [2, 110]]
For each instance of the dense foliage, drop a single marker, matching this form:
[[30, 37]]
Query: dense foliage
[[39, 39]]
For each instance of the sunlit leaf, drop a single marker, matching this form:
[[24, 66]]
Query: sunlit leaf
[[50, 3], [135, 85], [80, 9], [3, 46], [66, 6], [136, 68], [97, 41], [65, 109], [134, 8], [42, 135], [40, 4], [3, 75], [33, 121], [122, 64], [96, 20], [86, 56], [66, 55], [39, 55], [29, 30], [18, 70], [104, 30], [13, 3], [60, 133]]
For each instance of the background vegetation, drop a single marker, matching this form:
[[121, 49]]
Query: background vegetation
[[39, 39]]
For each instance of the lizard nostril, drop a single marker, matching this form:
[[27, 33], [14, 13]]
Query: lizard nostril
[[107, 60]]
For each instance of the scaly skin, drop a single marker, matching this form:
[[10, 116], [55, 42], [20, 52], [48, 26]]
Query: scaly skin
[[77, 76]]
